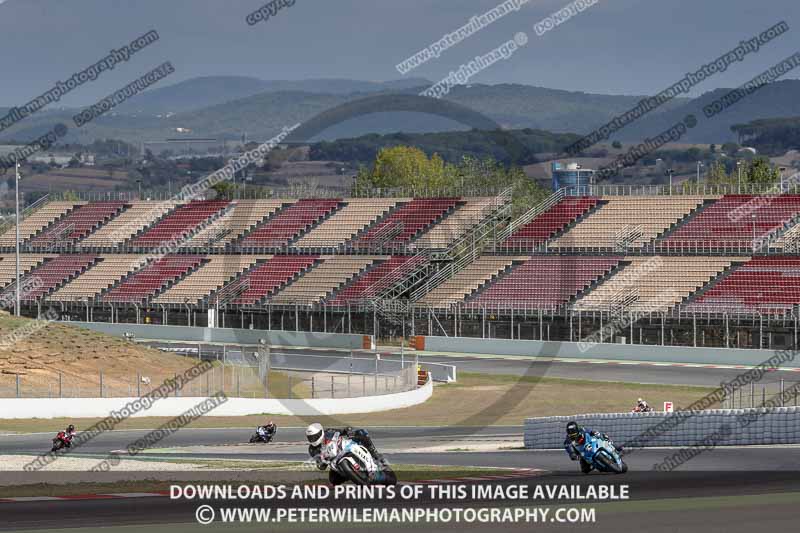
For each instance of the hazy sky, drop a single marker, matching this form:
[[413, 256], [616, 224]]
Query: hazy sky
[[615, 46]]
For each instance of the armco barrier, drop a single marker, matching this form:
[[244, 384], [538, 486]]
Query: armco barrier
[[623, 352], [230, 335], [70, 408], [780, 425]]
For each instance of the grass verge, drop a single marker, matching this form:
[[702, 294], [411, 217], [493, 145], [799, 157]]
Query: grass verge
[[476, 400]]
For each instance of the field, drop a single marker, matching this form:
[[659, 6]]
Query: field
[[71, 359]]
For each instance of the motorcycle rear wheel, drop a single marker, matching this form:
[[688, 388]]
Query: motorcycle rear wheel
[[389, 477]]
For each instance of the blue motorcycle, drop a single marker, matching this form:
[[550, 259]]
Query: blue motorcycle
[[602, 455]]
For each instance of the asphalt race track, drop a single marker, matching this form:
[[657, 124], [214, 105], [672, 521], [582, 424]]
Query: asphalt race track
[[725, 489], [519, 366]]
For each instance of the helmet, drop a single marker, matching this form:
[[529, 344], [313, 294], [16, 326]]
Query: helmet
[[575, 432], [639, 400], [270, 423], [315, 434], [71, 428]]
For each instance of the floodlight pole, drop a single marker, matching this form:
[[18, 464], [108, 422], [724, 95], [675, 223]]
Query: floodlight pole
[[16, 191]]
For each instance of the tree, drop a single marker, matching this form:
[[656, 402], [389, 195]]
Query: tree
[[759, 170], [730, 148], [405, 166], [716, 174], [713, 148], [224, 189], [616, 145]]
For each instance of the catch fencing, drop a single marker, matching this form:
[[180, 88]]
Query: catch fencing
[[241, 379]]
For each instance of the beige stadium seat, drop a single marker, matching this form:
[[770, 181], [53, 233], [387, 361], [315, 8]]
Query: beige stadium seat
[[37, 221], [459, 222], [243, 216], [8, 266], [108, 270], [654, 284], [137, 217], [347, 222], [458, 287], [323, 279], [628, 221], [217, 272]]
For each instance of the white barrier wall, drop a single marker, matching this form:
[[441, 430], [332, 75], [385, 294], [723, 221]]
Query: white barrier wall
[[622, 352], [170, 407], [780, 425], [229, 335]]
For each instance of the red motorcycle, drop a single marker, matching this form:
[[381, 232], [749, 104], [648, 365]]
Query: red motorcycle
[[61, 441]]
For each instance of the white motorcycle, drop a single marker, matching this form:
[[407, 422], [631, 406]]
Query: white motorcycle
[[353, 462]]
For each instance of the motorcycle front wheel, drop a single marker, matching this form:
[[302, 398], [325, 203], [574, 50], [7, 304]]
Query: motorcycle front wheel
[[610, 465], [358, 478]]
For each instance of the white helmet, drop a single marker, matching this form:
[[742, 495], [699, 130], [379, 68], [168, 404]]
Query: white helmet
[[315, 434], [639, 400]]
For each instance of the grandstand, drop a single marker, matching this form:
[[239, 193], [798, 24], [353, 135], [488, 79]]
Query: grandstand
[[679, 266]]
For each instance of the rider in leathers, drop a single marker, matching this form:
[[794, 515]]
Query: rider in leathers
[[576, 438], [316, 436]]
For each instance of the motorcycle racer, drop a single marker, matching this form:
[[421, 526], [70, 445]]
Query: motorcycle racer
[[267, 431], [69, 434], [576, 439], [317, 435]]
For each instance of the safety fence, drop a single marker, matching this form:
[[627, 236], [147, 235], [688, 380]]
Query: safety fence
[[725, 427], [240, 379]]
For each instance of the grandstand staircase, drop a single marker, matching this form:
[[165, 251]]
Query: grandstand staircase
[[264, 299], [776, 234], [236, 243], [353, 242], [497, 276], [125, 245], [228, 293], [462, 252], [624, 238], [654, 245], [26, 247], [570, 225], [236, 285], [352, 280], [24, 276], [710, 284], [207, 222], [169, 284], [26, 212], [60, 235], [314, 225], [621, 300]]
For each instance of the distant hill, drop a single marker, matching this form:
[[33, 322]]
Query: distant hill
[[516, 147], [771, 136], [198, 93], [227, 106], [777, 100]]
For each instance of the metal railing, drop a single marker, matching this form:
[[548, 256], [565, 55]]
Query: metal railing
[[469, 246], [532, 213], [234, 379]]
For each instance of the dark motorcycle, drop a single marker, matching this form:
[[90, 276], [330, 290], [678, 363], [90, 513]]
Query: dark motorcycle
[[263, 436]]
